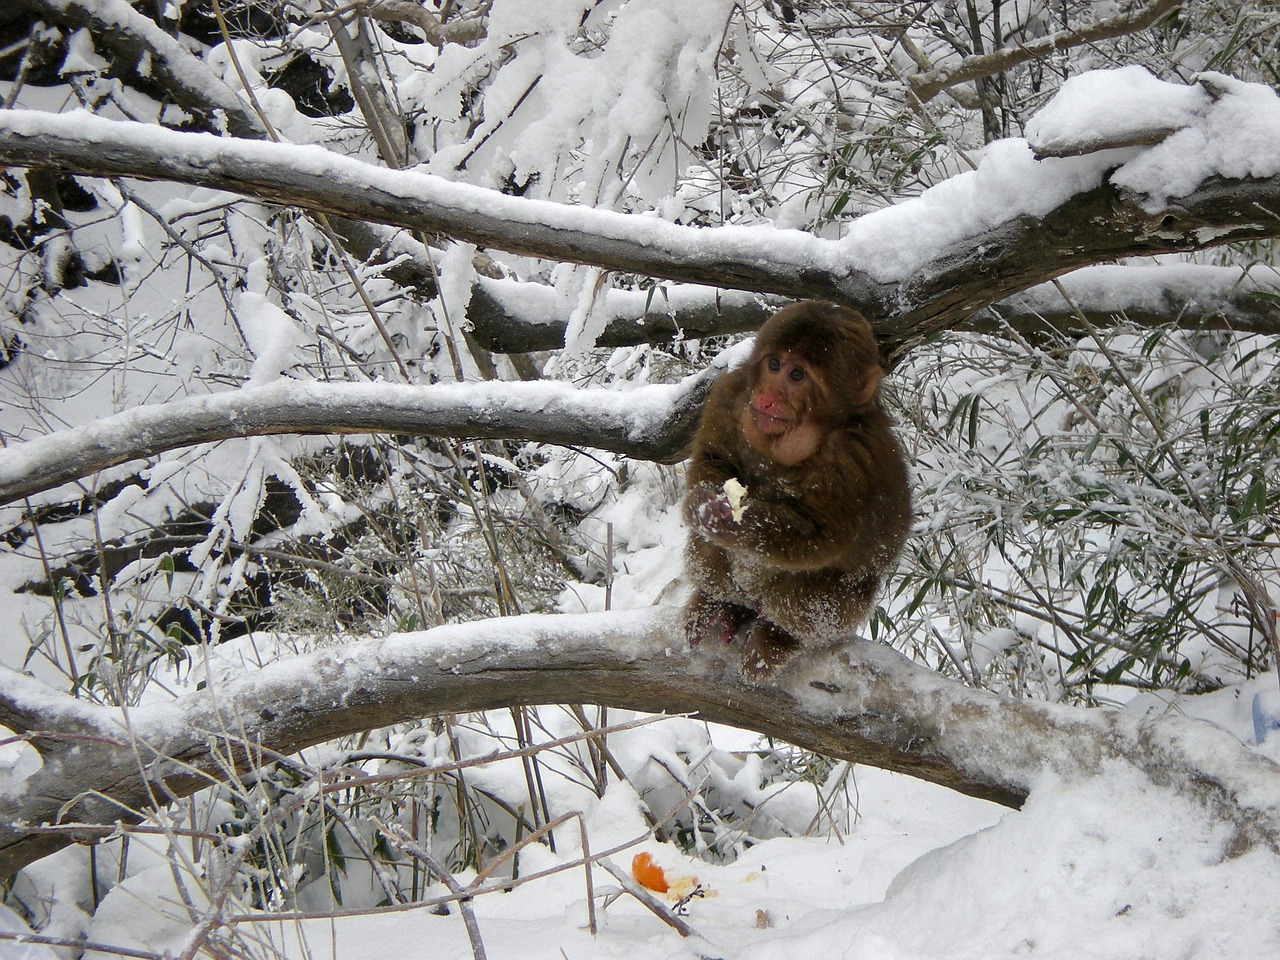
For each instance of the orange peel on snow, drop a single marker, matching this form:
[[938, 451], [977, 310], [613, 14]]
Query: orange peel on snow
[[648, 874]]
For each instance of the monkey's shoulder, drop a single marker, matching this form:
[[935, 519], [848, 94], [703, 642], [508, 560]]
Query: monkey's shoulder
[[867, 441], [729, 392]]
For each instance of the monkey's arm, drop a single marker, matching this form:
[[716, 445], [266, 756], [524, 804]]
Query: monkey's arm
[[781, 530], [837, 513]]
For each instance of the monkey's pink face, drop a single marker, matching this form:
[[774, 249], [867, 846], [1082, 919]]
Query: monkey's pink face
[[785, 392], [782, 420]]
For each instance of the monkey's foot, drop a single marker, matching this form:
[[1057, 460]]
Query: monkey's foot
[[767, 649], [711, 618]]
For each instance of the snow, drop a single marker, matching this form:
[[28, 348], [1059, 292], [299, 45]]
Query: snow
[[1102, 866], [1219, 126], [1084, 870], [10, 922], [1238, 137], [18, 761], [893, 243], [1127, 105]]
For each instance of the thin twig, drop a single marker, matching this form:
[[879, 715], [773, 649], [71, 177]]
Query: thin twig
[[400, 839]]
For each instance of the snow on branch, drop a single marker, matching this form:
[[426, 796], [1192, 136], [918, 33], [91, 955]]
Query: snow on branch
[[861, 702], [652, 422], [137, 39], [919, 266]]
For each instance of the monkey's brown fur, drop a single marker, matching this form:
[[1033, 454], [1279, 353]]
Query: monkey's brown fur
[[827, 505]]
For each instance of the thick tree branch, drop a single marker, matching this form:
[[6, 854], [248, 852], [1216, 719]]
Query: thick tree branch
[[515, 317], [787, 262], [651, 423], [862, 702], [967, 275]]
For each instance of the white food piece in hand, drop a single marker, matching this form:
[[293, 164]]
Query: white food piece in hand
[[735, 493]]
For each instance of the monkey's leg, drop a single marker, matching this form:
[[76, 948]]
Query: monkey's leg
[[705, 617], [820, 606], [767, 648], [717, 609]]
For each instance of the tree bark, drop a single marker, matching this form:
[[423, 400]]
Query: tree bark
[[861, 702]]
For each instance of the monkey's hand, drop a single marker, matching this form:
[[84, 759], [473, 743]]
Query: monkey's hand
[[714, 515]]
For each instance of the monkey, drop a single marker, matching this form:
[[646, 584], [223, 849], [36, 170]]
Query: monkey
[[797, 499]]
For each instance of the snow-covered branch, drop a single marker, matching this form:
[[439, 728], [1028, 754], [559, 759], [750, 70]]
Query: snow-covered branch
[[652, 422], [1210, 298], [136, 39], [919, 266], [509, 316], [788, 262], [862, 702]]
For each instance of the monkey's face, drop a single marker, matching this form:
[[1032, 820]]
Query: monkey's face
[[779, 419], [783, 392]]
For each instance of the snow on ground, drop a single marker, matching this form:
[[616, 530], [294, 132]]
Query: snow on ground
[[1102, 869]]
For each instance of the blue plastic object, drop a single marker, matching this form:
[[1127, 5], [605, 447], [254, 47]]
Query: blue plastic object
[[1266, 715]]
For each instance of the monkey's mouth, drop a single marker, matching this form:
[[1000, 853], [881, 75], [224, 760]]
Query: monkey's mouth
[[768, 423]]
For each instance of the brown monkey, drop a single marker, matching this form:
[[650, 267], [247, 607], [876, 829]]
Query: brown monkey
[[796, 557]]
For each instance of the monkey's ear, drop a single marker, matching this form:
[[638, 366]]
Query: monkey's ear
[[867, 392]]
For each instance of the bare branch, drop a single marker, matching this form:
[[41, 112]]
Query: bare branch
[[928, 85], [652, 423], [861, 702], [462, 30]]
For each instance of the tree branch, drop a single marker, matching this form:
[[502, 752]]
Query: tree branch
[[467, 29], [861, 702], [787, 262], [1201, 296], [964, 276], [135, 38], [650, 423], [517, 317], [928, 85], [509, 316]]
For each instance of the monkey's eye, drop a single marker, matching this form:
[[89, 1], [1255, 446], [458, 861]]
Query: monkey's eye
[[774, 364], [796, 375]]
